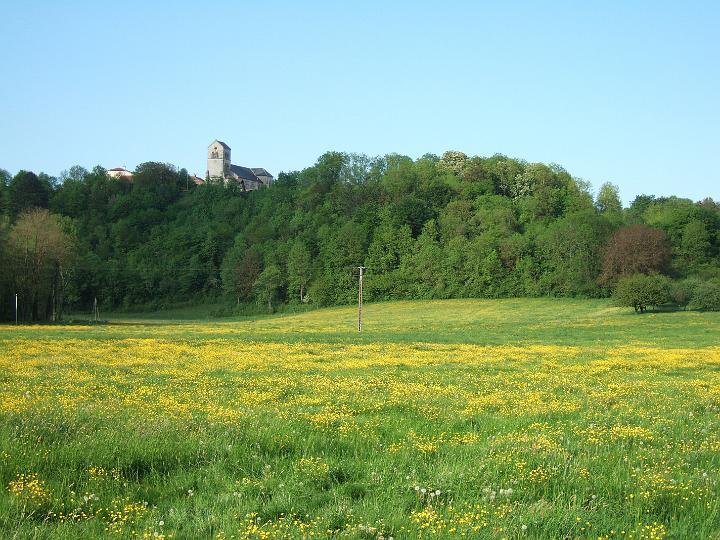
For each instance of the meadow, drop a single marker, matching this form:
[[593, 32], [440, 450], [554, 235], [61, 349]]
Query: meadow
[[541, 418]]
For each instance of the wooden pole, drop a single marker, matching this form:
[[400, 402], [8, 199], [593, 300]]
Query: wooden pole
[[360, 298]]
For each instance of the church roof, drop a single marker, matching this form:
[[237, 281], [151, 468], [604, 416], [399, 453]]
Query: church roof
[[220, 142], [244, 173], [259, 171]]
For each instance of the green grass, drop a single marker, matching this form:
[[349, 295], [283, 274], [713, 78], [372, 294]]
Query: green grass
[[542, 418], [526, 321]]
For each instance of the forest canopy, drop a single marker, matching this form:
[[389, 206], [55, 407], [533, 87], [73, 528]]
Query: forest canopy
[[436, 227]]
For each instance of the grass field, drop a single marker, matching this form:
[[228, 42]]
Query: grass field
[[482, 419]]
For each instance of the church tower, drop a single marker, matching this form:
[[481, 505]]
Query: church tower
[[221, 169], [218, 164]]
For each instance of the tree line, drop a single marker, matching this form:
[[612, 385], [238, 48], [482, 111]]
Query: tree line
[[448, 226]]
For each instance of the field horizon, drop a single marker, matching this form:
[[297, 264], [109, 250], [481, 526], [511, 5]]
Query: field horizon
[[525, 320], [517, 418]]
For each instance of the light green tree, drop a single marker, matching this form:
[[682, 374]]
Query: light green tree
[[267, 286], [608, 199], [299, 267], [452, 162]]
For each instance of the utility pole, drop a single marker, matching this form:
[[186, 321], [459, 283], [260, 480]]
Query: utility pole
[[360, 298]]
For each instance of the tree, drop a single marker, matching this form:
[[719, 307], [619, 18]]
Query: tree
[[681, 292], [608, 199], [638, 207], [695, 245], [40, 248], [492, 274], [267, 285], [478, 177], [6, 273], [571, 253], [641, 291], [546, 192], [4, 181], [423, 265], [452, 162], [26, 191], [299, 267], [635, 249], [706, 296], [388, 248], [240, 268]]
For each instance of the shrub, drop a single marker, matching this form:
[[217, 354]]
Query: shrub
[[641, 291], [681, 292], [706, 296]]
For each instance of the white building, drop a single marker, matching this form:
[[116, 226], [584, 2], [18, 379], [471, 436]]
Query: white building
[[120, 172]]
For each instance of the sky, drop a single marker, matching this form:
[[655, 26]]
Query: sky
[[625, 92]]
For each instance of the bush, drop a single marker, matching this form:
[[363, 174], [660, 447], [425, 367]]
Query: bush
[[706, 296], [641, 291], [681, 292]]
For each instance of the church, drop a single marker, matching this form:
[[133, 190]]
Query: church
[[220, 167]]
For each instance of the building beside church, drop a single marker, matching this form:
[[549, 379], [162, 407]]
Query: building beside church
[[220, 168], [121, 173]]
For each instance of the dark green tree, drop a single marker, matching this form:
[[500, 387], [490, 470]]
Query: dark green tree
[[5, 179], [26, 191], [240, 269]]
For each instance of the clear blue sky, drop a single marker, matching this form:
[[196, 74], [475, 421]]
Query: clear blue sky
[[627, 92]]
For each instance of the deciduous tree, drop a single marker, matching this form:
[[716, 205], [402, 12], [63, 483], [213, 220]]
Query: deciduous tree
[[608, 199], [26, 191], [299, 267], [635, 249], [39, 248], [641, 291], [267, 285]]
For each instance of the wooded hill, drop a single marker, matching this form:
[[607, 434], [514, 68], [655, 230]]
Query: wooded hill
[[435, 227]]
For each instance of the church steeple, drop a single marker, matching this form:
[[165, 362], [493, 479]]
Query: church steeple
[[218, 160], [221, 169]]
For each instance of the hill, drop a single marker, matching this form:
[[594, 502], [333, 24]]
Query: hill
[[432, 228]]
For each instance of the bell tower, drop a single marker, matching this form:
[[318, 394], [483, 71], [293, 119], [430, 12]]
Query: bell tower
[[218, 164]]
